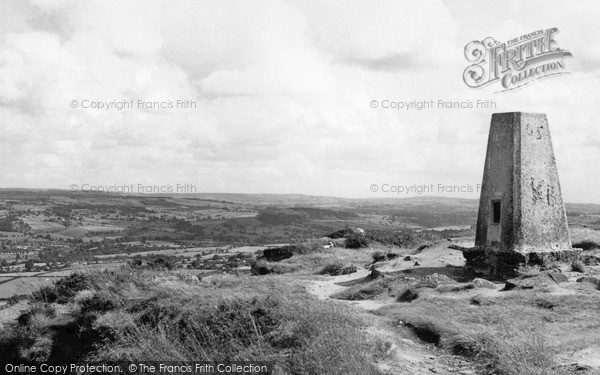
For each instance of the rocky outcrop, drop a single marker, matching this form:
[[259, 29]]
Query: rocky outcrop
[[506, 264], [433, 280], [535, 281], [279, 253], [344, 233]]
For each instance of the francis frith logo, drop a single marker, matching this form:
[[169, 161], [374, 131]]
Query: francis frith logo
[[514, 63]]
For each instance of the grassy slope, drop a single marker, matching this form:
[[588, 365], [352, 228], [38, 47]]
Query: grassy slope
[[148, 315]]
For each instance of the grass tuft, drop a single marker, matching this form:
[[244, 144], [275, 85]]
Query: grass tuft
[[408, 295]]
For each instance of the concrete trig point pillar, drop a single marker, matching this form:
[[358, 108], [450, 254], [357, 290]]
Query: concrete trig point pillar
[[522, 218]]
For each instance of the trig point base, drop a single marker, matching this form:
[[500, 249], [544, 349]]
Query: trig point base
[[522, 218]]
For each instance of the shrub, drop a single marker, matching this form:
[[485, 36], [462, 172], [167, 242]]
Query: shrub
[[161, 264], [44, 310], [277, 254], [98, 302], [260, 268], [408, 295], [356, 241], [378, 256], [335, 269], [64, 289], [481, 300], [544, 303], [16, 298], [45, 294]]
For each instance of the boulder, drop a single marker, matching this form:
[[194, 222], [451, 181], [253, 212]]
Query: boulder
[[433, 280], [483, 284], [278, 253], [558, 277], [578, 266], [530, 282], [590, 279], [527, 282]]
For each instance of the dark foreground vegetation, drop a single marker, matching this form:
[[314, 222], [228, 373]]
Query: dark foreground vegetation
[[148, 315]]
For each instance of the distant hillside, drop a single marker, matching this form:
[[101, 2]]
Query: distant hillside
[[286, 216], [278, 200], [582, 208]]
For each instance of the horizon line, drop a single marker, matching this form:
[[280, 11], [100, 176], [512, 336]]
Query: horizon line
[[175, 194]]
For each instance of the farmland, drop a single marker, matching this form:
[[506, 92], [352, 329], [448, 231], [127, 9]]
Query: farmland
[[43, 233]]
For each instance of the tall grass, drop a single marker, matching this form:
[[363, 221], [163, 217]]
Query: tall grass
[[150, 315]]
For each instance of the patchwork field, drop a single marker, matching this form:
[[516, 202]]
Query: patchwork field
[[23, 285], [43, 226]]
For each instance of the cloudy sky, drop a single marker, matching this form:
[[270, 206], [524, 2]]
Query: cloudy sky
[[282, 93]]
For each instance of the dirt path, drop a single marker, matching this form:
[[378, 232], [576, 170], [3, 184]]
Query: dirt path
[[406, 353]]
